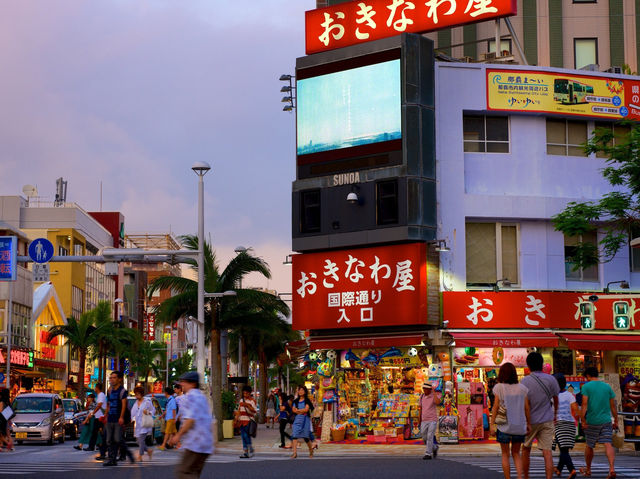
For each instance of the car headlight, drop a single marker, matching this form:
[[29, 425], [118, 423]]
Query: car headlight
[[45, 422]]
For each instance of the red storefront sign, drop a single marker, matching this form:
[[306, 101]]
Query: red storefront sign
[[149, 327], [363, 21], [369, 287], [19, 357], [531, 309]]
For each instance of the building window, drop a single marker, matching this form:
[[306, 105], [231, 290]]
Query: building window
[[310, 219], [634, 253], [585, 52], [486, 133], [76, 302], [620, 133], [505, 46], [387, 202], [570, 243], [585, 1], [566, 137], [78, 249], [492, 253]]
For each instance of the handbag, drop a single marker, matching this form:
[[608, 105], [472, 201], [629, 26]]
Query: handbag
[[501, 417], [147, 421], [253, 428]]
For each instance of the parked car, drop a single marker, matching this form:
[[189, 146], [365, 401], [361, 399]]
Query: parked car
[[74, 414], [39, 417], [157, 434]]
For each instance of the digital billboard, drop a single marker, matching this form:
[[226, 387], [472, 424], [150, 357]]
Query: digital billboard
[[349, 108]]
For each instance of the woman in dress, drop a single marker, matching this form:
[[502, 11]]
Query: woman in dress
[[514, 418], [87, 424], [566, 426], [141, 407], [271, 410], [301, 428]]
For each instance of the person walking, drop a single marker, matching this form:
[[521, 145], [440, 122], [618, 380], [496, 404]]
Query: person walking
[[598, 408], [428, 413], [511, 404], [142, 408], [116, 409], [178, 394], [246, 413], [98, 425], [195, 430], [301, 428], [87, 424], [542, 393], [283, 418], [5, 434], [170, 415], [568, 412], [271, 410]]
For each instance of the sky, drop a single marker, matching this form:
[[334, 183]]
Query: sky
[[131, 93]]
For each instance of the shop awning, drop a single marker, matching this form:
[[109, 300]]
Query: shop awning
[[505, 339], [365, 341], [602, 342]]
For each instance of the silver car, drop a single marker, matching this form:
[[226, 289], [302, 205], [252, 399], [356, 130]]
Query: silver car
[[39, 417]]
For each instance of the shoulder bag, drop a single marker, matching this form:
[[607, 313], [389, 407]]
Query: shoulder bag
[[501, 417], [253, 428]]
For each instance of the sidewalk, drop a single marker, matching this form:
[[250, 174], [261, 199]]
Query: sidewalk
[[268, 440]]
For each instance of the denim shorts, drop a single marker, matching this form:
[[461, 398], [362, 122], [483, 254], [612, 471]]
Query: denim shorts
[[505, 438]]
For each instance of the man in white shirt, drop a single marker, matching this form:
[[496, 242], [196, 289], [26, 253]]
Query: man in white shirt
[[98, 413], [195, 430]]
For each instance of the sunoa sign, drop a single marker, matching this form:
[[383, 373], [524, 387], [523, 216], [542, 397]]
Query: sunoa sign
[[369, 287], [362, 21], [533, 310]]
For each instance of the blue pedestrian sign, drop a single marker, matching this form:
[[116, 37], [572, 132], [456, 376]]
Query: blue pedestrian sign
[[41, 250], [8, 258]]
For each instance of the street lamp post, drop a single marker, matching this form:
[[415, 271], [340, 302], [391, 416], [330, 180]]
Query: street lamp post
[[238, 250], [200, 168]]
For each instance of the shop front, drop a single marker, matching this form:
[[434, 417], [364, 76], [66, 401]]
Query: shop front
[[571, 331], [366, 313], [21, 368]]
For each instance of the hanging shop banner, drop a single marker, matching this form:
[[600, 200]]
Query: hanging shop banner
[[490, 357], [356, 22], [557, 92], [629, 365], [534, 310], [8, 258], [368, 287]]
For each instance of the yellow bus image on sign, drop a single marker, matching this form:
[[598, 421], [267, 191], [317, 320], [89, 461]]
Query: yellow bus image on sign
[[554, 92], [568, 91]]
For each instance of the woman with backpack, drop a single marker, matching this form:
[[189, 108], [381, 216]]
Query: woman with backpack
[[283, 418], [301, 428], [510, 414]]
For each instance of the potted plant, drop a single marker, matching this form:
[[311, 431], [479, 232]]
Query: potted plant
[[228, 407]]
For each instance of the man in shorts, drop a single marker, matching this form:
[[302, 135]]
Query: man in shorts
[[542, 393], [170, 416], [598, 407]]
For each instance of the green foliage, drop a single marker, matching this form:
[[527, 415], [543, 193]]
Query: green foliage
[[179, 366], [617, 212], [228, 404]]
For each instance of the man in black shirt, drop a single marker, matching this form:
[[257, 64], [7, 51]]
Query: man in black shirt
[[116, 409]]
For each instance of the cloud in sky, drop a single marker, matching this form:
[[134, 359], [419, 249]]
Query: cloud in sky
[[130, 94]]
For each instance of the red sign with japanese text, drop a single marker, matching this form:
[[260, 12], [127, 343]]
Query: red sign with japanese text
[[369, 287], [19, 357], [149, 327], [363, 21], [532, 309]]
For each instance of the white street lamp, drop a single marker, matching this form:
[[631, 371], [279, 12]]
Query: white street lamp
[[200, 168]]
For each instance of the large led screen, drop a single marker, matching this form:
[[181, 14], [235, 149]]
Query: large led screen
[[349, 108]]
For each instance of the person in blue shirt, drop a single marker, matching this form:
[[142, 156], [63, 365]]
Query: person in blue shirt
[[170, 416]]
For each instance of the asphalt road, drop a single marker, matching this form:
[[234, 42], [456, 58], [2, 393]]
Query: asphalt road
[[62, 461]]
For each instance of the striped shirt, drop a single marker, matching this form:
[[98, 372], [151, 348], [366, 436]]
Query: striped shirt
[[247, 410]]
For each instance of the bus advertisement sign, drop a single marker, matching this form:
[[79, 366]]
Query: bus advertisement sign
[[557, 92]]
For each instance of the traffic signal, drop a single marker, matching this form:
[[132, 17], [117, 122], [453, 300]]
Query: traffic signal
[[587, 320], [621, 318]]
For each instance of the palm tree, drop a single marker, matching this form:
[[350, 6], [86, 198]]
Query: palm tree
[[265, 332], [81, 335], [143, 358], [184, 302]]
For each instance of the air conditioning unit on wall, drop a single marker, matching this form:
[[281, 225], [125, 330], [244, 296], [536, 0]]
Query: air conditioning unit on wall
[[617, 70]]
